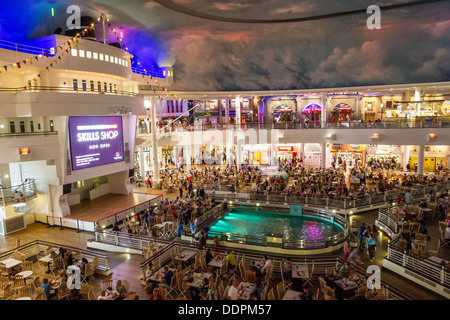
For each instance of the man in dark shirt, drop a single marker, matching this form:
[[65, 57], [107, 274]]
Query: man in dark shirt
[[362, 242], [168, 274]]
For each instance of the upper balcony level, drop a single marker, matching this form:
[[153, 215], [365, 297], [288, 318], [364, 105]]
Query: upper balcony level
[[27, 61]]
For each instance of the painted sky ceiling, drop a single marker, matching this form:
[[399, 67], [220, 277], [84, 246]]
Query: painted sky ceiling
[[413, 44]]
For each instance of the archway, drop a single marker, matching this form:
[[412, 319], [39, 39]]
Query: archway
[[342, 112], [312, 111], [282, 113]]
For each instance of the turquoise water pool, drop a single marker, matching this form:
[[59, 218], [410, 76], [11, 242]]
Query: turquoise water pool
[[260, 223]]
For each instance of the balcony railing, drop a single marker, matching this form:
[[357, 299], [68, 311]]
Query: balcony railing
[[28, 134], [143, 72], [16, 194], [24, 48], [69, 90], [310, 126]]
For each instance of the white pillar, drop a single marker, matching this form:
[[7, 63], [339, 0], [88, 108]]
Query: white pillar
[[420, 160], [358, 107], [141, 162], [238, 100], [229, 144], [227, 110], [328, 155], [417, 97], [298, 102], [156, 168], [323, 114], [405, 157], [187, 154], [323, 156]]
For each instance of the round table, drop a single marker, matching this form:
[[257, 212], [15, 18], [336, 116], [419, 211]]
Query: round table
[[25, 274]]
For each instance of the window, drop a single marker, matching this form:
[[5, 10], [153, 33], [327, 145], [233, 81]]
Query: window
[[78, 184], [110, 87], [116, 60], [12, 127], [74, 52], [126, 63], [92, 86], [105, 86], [111, 59], [22, 126], [81, 52], [31, 126], [95, 55], [39, 126], [75, 84], [106, 57], [115, 88], [88, 54], [84, 85], [99, 86], [52, 127], [101, 56]]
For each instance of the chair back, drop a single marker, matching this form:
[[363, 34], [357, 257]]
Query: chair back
[[221, 291], [7, 292], [250, 276], [27, 266], [107, 283], [24, 291], [271, 295], [130, 295], [162, 291], [264, 293], [19, 256], [18, 281], [280, 290]]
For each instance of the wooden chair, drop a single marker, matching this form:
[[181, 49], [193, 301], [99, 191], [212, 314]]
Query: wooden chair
[[36, 283], [361, 291], [415, 227], [329, 297], [221, 291], [107, 283], [63, 292], [163, 292], [24, 291], [18, 242], [250, 276], [18, 282], [264, 293], [329, 292], [406, 227], [7, 293], [173, 286], [19, 256], [130, 295], [280, 290], [271, 295], [40, 294], [322, 284], [91, 294], [317, 295], [3, 270], [48, 250], [311, 273]]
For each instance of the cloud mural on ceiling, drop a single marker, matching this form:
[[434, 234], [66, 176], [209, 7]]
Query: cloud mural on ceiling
[[413, 44]]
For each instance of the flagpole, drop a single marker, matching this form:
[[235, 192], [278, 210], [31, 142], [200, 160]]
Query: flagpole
[[104, 29]]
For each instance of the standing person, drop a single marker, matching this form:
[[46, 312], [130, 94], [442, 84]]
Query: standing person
[[193, 226], [347, 249], [372, 243], [408, 197], [180, 187], [233, 292], [362, 240]]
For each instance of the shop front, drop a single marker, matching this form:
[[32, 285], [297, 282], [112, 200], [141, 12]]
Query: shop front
[[313, 112], [436, 157], [350, 154], [385, 154], [207, 119], [256, 154], [341, 112], [286, 152], [283, 113]]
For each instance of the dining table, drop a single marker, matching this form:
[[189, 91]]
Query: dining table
[[24, 298], [11, 263], [217, 260], [197, 279], [291, 295], [158, 276], [300, 271], [245, 290]]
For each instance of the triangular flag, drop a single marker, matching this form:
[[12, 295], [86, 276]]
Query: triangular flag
[[37, 58], [59, 57], [46, 54], [31, 61], [18, 64]]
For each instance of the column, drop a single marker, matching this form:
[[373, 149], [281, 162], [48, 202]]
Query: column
[[420, 160], [298, 111], [156, 168], [227, 110], [358, 107], [405, 157], [323, 156], [187, 155], [141, 162], [238, 152], [238, 100], [220, 107], [229, 144], [327, 156], [323, 114], [417, 97]]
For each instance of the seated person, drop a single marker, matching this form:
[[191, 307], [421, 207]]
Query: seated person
[[112, 293], [155, 295], [46, 285], [258, 288], [345, 271], [104, 296], [167, 278], [307, 294]]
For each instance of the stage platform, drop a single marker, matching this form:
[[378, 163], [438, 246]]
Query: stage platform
[[109, 205]]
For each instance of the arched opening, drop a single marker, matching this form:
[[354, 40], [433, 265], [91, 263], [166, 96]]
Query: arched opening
[[283, 113], [312, 111], [342, 112]]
